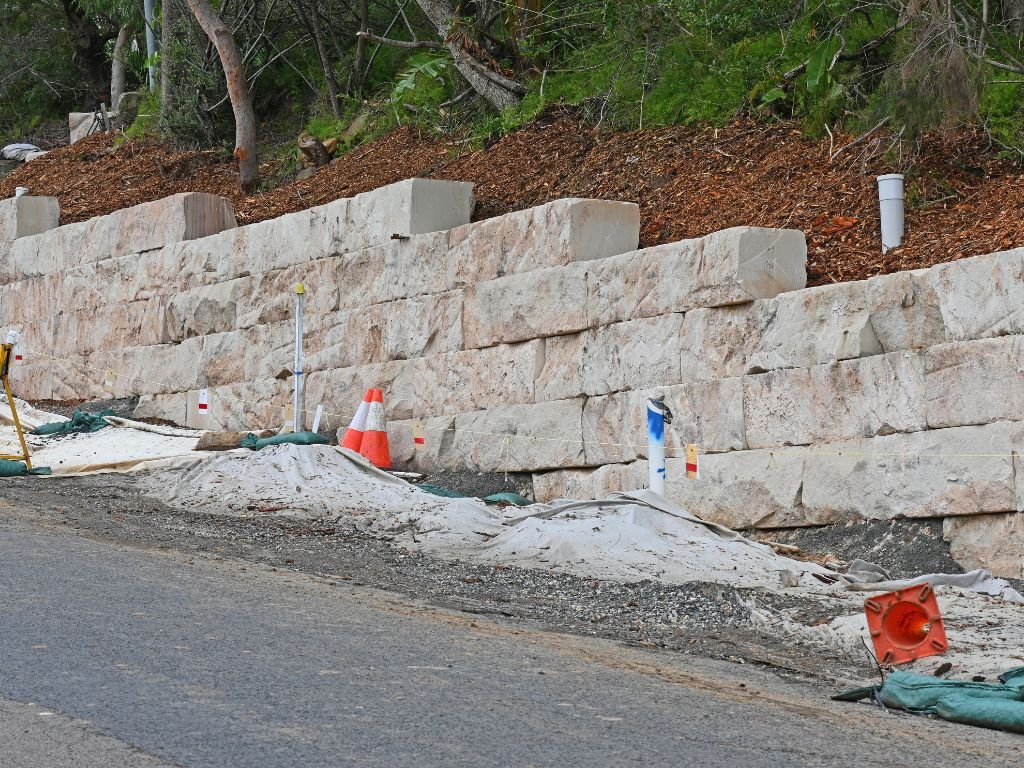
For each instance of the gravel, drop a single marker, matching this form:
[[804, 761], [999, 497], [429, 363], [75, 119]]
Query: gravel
[[707, 619]]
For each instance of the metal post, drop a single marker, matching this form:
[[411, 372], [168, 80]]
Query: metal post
[[658, 415], [150, 45], [300, 291]]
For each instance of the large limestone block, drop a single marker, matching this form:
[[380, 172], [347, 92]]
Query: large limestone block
[[206, 310], [811, 327], [558, 233], [434, 454], [110, 328], [159, 369], [466, 381], [742, 489], [905, 311], [409, 207], [28, 215], [975, 382], [445, 384], [632, 355], [48, 252], [172, 407], [422, 326], [733, 266], [276, 244], [709, 414], [521, 438], [798, 329], [935, 473], [247, 407], [995, 542], [855, 398], [532, 305], [184, 216], [589, 484], [981, 297]]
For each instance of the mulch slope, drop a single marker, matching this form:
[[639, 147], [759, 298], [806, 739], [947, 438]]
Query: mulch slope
[[963, 198]]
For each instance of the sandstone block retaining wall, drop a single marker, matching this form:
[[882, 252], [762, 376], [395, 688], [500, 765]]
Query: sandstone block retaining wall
[[531, 342]]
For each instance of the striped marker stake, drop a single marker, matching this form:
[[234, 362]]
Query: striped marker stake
[[658, 415], [316, 419], [692, 466], [204, 402], [418, 437], [19, 356]]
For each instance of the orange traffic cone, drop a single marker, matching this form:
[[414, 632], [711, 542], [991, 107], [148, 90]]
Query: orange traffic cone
[[354, 436], [375, 438], [905, 625]]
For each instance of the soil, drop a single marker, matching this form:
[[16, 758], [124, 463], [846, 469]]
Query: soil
[[964, 199]]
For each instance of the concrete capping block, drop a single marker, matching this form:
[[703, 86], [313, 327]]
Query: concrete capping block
[[406, 208], [28, 215]]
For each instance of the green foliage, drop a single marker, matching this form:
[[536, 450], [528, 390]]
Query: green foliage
[[1002, 110], [422, 66], [147, 122]]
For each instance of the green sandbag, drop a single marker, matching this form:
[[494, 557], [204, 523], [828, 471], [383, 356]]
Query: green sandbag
[[989, 705], [920, 693], [80, 422], [1003, 715], [439, 490], [10, 468], [291, 438]]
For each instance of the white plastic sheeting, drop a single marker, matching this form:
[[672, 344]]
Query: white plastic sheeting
[[628, 536]]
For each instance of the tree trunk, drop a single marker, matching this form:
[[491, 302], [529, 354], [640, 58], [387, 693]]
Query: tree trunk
[[1013, 16], [493, 86], [359, 68], [167, 57], [238, 91], [90, 49], [325, 60], [313, 150], [117, 66]]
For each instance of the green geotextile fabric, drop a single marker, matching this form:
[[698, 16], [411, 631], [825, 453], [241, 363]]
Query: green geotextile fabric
[[80, 422], [293, 438], [10, 468], [989, 705], [495, 498]]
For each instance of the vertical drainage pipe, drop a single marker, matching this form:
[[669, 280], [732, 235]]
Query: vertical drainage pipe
[[890, 206], [300, 291], [658, 415]]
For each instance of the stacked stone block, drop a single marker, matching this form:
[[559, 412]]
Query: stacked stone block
[[531, 342]]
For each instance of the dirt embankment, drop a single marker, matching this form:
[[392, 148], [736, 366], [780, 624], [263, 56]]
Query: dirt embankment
[[963, 198]]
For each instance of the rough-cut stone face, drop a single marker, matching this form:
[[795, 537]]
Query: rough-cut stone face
[[745, 489], [631, 355], [975, 382], [855, 398], [521, 438], [709, 414], [27, 215], [545, 302], [995, 542], [982, 296], [554, 234], [905, 311], [938, 473], [589, 483]]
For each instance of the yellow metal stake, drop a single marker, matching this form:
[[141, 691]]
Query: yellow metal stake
[[6, 351]]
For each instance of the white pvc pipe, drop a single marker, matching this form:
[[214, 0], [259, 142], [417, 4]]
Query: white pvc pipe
[[656, 411], [891, 208], [300, 291]]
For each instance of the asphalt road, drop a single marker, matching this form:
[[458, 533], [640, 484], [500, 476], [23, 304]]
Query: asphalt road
[[114, 656]]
